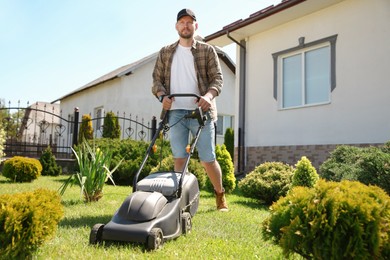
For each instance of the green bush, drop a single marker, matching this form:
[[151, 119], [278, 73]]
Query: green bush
[[49, 164], [86, 128], [22, 169], [304, 174], [267, 182], [386, 147], [229, 141], [27, 220], [132, 153], [342, 164], [111, 127], [368, 165], [333, 220], [194, 167], [227, 168], [375, 168]]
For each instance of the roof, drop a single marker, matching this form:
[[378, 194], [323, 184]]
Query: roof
[[266, 19], [130, 68]]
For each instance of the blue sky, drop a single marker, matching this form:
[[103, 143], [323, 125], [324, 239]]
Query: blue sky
[[49, 48]]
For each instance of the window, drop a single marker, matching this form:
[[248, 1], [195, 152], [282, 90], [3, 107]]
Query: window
[[71, 125], [99, 112], [306, 73], [223, 123]]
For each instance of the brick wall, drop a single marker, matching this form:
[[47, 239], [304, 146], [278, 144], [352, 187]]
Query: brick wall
[[291, 154]]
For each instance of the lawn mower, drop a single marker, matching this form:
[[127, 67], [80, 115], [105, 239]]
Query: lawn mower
[[161, 205]]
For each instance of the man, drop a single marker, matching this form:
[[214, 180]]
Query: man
[[190, 66]]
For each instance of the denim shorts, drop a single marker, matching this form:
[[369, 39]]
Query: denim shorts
[[180, 128]]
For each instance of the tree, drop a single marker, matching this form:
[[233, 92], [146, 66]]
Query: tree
[[229, 141], [10, 121], [49, 164], [2, 141], [111, 128], [86, 129], [305, 174]]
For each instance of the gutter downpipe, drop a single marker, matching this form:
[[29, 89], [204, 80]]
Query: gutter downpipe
[[241, 106]]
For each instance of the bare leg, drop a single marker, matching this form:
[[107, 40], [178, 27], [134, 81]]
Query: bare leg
[[213, 171], [179, 164], [215, 175]]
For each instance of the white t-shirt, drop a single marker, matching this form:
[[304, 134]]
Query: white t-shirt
[[183, 78]]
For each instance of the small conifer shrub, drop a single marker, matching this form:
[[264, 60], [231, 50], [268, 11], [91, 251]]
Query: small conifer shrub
[[267, 182], [27, 220], [225, 162], [333, 220], [305, 174], [22, 169], [49, 164]]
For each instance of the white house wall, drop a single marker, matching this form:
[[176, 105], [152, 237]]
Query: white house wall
[[133, 94], [359, 107]]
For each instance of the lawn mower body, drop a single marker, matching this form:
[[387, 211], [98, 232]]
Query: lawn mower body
[[160, 208]]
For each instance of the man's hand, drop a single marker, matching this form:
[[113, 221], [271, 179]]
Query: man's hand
[[167, 103], [205, 101]]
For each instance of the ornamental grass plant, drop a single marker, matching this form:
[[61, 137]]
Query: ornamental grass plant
[[93, 171]]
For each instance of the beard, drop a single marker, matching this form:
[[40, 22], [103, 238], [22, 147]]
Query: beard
[[186, 35]]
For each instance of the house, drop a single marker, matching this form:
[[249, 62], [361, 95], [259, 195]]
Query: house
[[311, 75], [126, 91], [39, 123], [37, 127]]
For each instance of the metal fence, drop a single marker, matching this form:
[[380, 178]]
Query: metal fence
[[30, 130]]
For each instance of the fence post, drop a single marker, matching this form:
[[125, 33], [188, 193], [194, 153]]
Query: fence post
[[154, 127], [75, 126]]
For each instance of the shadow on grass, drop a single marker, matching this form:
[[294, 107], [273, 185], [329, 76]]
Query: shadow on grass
[[84, 221], [251, 204]]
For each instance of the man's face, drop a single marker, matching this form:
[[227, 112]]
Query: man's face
[[186, 27]]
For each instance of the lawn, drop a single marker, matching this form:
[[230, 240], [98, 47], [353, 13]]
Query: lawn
[[215, 235]]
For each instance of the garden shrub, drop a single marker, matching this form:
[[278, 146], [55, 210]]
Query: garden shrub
[[333, 220], [341, 164], [22, 169], [227, 168], [267, 182], [368, 165], [304, 174], [111, 127], [375, 168], [86, 128], [386, 147], [49, 164], [27, 220], [229, 141], [132, 153], [194, 167]]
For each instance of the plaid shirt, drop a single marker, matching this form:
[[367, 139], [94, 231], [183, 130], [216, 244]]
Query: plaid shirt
[[207, 68]]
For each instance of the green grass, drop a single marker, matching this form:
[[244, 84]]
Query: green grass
[[215, 235]]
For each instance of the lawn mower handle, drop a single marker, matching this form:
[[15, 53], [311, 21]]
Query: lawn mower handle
[[184, 95]]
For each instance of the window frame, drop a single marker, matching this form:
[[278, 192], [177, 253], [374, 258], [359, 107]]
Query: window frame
[[222, 120], [303, 48], [99, 118]]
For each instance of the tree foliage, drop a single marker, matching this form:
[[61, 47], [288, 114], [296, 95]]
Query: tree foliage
[[111, 127], [86, 129]]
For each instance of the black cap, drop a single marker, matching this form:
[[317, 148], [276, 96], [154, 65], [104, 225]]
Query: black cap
[[186, 12]]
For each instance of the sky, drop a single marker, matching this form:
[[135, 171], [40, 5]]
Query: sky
[[49, 48]]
